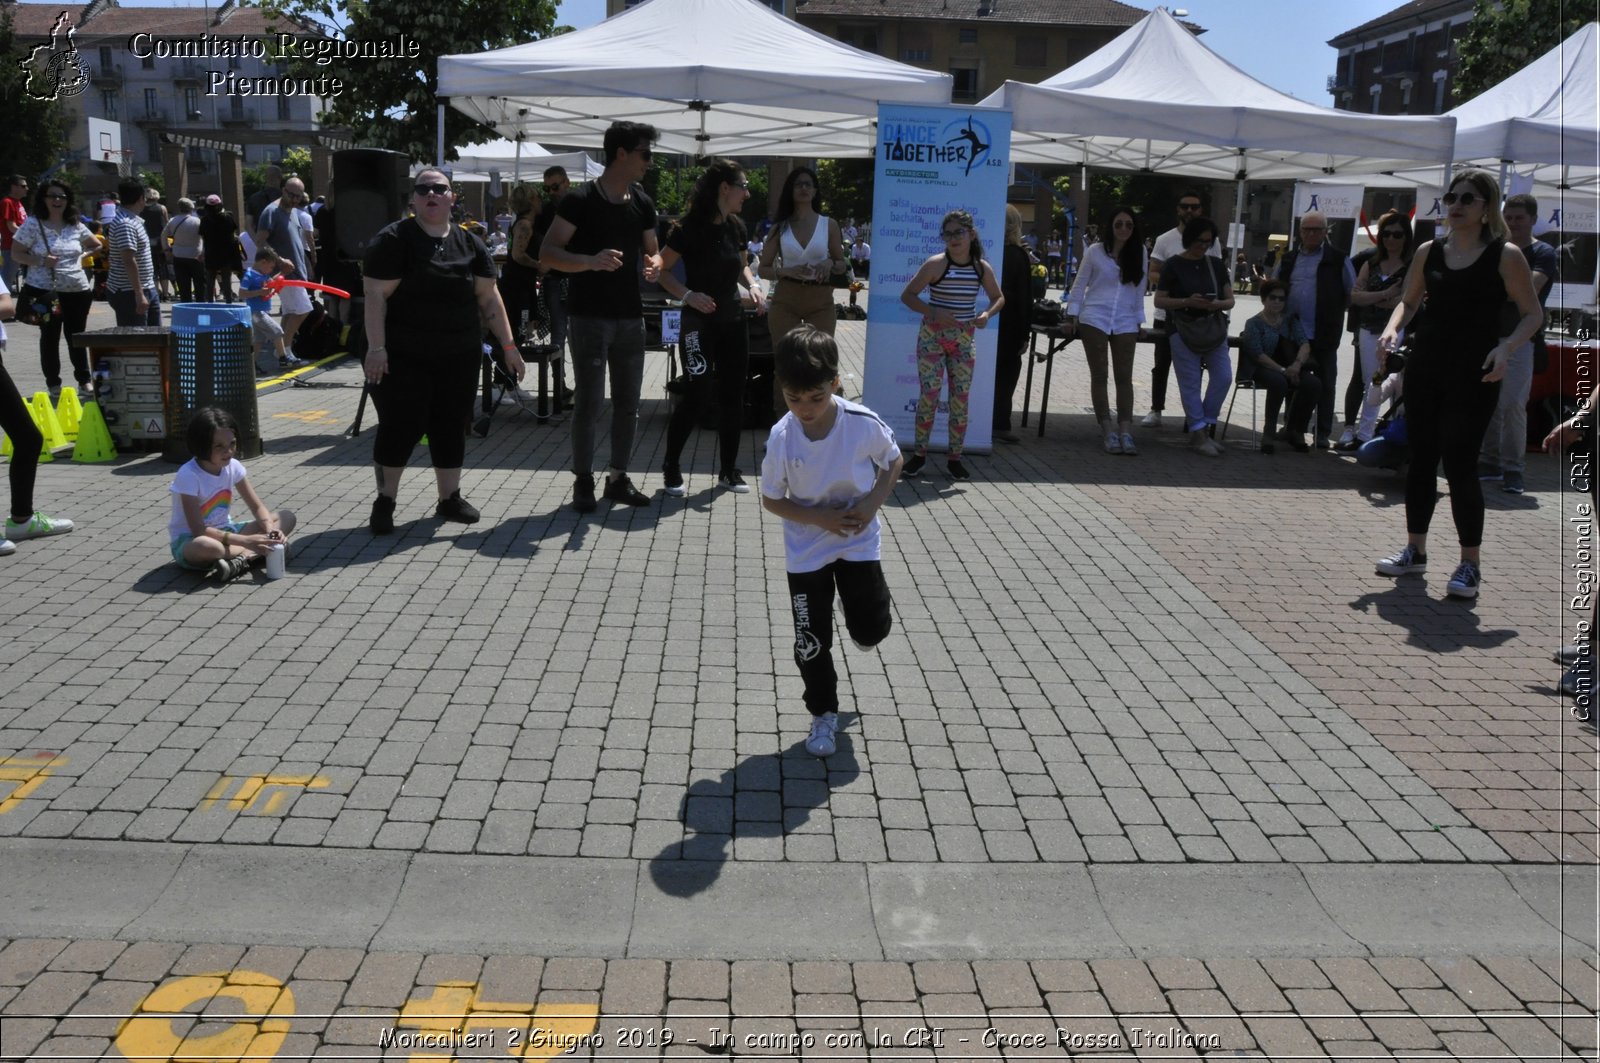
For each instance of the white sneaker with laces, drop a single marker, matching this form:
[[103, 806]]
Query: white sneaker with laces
[[821, 742], [37, 527], [1464, 581], [1113, 443], [1128, 446], [1151, 420], [7, 547]]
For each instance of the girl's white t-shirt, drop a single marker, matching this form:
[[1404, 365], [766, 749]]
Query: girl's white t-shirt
[[836, 471], [214, 491]]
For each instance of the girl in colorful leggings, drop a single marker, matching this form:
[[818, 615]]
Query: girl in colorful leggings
[[949, 321]]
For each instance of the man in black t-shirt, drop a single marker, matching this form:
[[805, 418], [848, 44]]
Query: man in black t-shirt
[[553, 285], [597, 236]]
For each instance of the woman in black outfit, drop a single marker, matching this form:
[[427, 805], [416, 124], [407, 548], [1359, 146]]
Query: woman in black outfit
[[429, 286], [1453, 375], [711, 242], [219, 243], [1016, 319], [519, 276]]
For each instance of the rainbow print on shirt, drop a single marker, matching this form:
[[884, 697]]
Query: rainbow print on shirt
[[219, 501]]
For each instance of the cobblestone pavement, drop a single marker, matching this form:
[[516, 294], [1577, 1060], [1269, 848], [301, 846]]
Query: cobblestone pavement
[[1152, 661]]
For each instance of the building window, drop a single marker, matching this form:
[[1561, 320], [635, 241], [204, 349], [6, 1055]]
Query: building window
[[965, 88], [1030, 49], [154, 144], [108, 103], [283, 109], [916, 46], [151, 98], [191, 103], [863, 37], [105, 59], [1377, 99], [967, 35], [147, 62]]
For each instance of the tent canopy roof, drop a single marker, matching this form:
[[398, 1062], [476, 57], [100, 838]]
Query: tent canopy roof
[[729, 77], [1545, 112], [1157, 99]]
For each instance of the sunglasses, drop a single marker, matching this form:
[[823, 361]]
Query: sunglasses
[[1188, 206], [55, 195], [1466, 199], [1397, 234], [555, 190], [431, 190], [644, 153], [741, 184]]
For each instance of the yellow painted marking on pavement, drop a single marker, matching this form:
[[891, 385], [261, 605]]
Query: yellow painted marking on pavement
[[288, 374], [249, 789], [257, 1031], [29, 773], [310, 417], [455, 1015]]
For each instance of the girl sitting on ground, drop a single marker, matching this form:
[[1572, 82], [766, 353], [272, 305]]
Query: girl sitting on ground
[[204, 536]]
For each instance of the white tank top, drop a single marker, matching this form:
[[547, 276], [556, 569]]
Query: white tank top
[[813, 253]]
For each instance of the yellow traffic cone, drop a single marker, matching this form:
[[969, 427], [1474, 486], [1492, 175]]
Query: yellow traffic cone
[[5, 447], [44, 415], [94, 438], [69, 411]]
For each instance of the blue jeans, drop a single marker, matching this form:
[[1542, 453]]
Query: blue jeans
[[128, 314], [1201, 412], [598, 344]]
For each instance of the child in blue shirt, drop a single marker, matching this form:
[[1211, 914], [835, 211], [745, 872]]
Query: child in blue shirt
[[829, 467], [205, 537], [268, 334]]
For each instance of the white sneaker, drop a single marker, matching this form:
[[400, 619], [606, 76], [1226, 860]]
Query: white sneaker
[[821, 742], [1113, 443], [7, 547], [1347, 440], [37, 527], [1128, 445], [1151, 419]]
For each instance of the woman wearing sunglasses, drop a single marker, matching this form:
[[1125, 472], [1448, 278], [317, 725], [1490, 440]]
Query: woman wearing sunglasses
[[710, 240], [950, 320], [1378, 288], [430, 290], [804, 249], [51, 244], [1453, 376]]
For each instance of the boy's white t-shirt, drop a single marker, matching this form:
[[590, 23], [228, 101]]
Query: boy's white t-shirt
[[215, 494], [836, 471]]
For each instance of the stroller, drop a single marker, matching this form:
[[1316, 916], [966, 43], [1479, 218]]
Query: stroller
[[500, 387]]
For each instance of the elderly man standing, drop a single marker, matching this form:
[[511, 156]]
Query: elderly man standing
[[1319, 277], [279, 226]]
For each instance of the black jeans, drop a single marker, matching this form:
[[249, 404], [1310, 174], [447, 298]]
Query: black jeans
[[1162, 369], [26, 444], [74, 317], [190, 274], [716, 359], [1007, 372], [1325, 355], [864, 597]]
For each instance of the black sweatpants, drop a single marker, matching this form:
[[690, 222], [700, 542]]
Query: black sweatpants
[[716, 360], [26, 442], [74, 319], [1162, 369], [431, 396], [1447, 411], [864, 597]]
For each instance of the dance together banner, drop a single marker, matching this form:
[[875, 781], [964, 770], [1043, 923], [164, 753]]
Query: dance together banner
[[931, 160]]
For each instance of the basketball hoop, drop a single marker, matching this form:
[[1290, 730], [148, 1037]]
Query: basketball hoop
[[123, 160]]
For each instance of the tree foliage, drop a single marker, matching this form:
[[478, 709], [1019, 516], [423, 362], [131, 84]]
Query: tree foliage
[[390, 103], [671, 188], [35, 135], [1506, 35], [847, 187]]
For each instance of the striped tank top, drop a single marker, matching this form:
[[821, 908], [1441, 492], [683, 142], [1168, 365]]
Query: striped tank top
[[957, 291]]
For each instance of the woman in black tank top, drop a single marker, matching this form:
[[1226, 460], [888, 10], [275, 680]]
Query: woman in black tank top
[[1453, 377]]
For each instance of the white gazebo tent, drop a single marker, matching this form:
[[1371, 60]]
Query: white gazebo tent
[[1157, 100], [1541, 122], [516, 160], [726, 77]]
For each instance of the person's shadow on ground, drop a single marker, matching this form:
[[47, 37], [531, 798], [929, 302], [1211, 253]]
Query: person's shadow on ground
[[1439, 626], [766, 796]]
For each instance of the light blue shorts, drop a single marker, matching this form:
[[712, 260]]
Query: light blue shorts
[[181, 541]]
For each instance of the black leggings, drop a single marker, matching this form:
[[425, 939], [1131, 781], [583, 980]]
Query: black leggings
[[1447, 411], [26, 444], [432, 396], [74, 317], [864, 597], [716, 356]]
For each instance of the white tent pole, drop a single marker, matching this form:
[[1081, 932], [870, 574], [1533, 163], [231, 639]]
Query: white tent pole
[[439, 144], [1505, 167], [516, 167]]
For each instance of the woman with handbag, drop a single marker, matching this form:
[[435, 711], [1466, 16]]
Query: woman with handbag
[[804, 249], [1196, 293], [1378, 288], [56, 293], [1273, 355]]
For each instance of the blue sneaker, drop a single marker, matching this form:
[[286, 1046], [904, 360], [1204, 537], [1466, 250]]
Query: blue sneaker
[[1404, 562], [1464, 581]]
